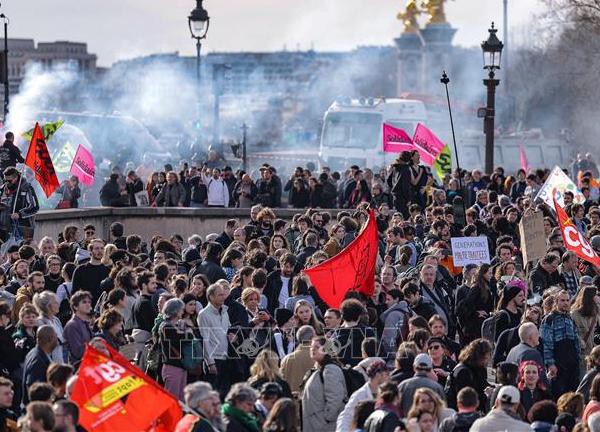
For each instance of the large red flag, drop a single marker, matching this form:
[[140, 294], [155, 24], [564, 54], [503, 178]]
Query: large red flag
[[114, 395], [38, 159], [351, 269], [573, 239]]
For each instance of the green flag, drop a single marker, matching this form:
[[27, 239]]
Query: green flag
[[443, 162], [63, 158], [48, 129]]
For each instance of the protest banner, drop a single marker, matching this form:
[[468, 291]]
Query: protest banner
[[395, 140], [142, 199], [533, 238], [83, 166], [443, 163], [559, 181], [470, 250]]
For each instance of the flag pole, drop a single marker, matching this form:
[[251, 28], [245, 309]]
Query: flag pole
[[18, 187], [445, 80]]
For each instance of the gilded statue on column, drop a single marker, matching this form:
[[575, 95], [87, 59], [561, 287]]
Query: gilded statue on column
[[409, 17], [435, 10]]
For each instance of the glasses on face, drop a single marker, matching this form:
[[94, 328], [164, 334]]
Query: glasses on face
[[435, 347], [90, 232]]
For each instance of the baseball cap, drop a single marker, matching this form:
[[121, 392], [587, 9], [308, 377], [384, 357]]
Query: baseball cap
[[423, 361], [509, 394]]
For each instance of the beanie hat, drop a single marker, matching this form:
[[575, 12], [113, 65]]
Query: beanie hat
[[511, 291], [282, 316]]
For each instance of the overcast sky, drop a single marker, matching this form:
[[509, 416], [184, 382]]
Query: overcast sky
[[120, 29]]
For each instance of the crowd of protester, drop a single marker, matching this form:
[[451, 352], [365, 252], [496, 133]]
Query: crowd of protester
[[502, 346]]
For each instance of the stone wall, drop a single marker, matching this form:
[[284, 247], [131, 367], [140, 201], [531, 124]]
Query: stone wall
[[146, 221]]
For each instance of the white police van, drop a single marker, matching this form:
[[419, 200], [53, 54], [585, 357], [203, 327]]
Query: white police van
[[353, 130]]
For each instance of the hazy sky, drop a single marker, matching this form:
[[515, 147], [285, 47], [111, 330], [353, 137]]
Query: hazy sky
[[119, 29]]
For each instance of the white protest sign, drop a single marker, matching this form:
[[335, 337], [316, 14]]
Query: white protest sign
[[141, 199], [470, 250], [562, 183]]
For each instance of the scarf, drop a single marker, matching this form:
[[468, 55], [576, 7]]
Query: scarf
[[247, 420]]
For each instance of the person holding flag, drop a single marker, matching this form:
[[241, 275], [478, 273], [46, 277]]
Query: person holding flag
[[18, 205]]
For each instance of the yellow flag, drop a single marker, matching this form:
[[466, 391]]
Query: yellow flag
[[48, 129], [443, 162]]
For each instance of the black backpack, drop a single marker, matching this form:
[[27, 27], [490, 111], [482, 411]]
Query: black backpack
[[64, 310], [353, 379], [450, 388]]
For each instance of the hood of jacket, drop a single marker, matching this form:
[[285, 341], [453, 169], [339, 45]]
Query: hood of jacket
[[401, 307]]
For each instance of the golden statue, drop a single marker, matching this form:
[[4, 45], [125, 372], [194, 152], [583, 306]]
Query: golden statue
[[435, 10], [409, 17]]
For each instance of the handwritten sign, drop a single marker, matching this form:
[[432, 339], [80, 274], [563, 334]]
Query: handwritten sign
[[470, 250], [533, 239]]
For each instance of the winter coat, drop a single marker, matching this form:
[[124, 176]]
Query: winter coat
[[323, 400], [344, 420], [171, 196], [393, 323]]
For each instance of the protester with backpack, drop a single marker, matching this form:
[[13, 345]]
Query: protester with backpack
[[471, 371], [378, 374], [324, 393], [395, 323]]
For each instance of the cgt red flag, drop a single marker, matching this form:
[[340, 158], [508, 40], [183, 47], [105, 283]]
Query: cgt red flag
[[352, 269], [573, 239], [38, 159], [114, 395]]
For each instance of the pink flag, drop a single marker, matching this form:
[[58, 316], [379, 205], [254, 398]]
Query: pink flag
[[427, 140], [523, 156], [395, 140], [83, 166]]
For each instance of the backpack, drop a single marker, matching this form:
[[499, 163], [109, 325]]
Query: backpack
[[64, 310], [488, 328], [450, 388], [353, 379]]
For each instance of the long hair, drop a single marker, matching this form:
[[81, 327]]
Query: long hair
[[437, 401], [472, 354], [313, 321], [266, 366], [481, 284], [584, 302], [282, 417]]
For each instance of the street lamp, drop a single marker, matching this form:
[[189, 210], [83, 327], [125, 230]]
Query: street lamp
[[492, 55], [198, 21]]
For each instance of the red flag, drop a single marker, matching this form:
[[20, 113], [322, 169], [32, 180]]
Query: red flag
[[523, 157], [114, 395], [351, 269], [38, 159], [573, 239], [396, 140]]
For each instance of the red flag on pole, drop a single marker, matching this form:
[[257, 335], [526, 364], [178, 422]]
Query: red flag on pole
[[523, 157], [573, 239], [114, 395], [38, 159], [352, 269]]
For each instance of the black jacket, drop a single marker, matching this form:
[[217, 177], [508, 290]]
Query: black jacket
[[211, 270], [27, 204], [382, 420], [540, 279], [10, 355], [463, 376], [34, 370], [132, 189], [10, 155], [273, 289], [110, 195], [269, 193]]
